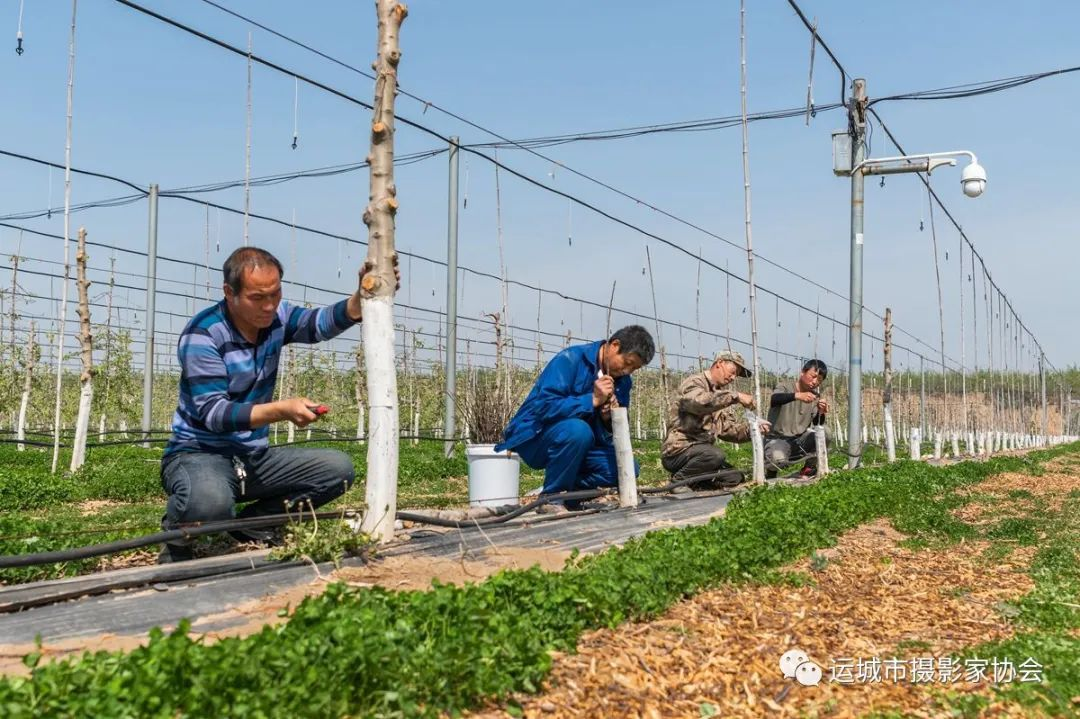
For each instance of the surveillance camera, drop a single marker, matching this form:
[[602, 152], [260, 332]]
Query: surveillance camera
[[973, 179]]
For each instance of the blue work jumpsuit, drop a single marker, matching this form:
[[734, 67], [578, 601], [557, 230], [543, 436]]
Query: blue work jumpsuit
[[558, 430]]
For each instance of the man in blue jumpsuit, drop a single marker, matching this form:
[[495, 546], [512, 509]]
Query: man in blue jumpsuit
[[564, 425]]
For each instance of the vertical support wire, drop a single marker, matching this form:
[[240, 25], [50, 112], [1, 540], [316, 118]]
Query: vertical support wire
[[296, 112], [759, 464], [62, 310], [247, 149]]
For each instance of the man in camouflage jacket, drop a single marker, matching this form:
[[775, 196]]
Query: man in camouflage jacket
[[704, 411]]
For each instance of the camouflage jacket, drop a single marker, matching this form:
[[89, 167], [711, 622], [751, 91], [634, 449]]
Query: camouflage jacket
[[701, 414]]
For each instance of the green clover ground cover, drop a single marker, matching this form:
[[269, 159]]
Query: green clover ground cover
[[1046, 619], [373, 652]]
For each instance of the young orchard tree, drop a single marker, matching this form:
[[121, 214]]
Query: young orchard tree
[[379, 284], [86, 379]]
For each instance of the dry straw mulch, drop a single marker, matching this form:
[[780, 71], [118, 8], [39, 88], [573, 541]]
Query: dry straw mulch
[[870, 598]]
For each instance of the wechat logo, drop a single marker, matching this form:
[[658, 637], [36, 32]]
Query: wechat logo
[[795, 664]]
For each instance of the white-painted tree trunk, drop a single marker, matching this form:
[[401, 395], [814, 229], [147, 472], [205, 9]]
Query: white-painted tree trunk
[[757, 448], [624, 457], [916, 444], [416, 423], [24, 403], [890, 435], [955, 444], [28, 382], [101, 428], [86, 392], [822, 447], [939, 444], [78, 450], [382, 455], [123, 428]]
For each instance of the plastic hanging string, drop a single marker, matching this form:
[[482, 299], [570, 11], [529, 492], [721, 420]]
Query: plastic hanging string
[[296, 113], [570, 222], [922, 216], [810, 111], [18, 32], [465, 203]]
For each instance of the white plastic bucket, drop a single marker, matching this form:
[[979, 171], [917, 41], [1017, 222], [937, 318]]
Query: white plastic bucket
[[494, 477]]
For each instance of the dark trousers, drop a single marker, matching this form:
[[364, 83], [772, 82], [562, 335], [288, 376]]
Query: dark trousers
[[700, 461], [204, 487], [781, 452]]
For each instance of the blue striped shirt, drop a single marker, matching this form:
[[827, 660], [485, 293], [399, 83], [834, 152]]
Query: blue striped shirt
[[223, 376]]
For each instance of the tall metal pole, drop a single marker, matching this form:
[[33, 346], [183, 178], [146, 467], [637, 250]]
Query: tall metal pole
[[451, 300], [857, 124], [1042, 382], [151, 294]]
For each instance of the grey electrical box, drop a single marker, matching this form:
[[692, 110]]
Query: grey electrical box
[[841, 152]]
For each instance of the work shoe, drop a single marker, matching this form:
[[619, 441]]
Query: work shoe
[[727, 478], [599, 504], [808, 472], [171, 553], [552, 508]]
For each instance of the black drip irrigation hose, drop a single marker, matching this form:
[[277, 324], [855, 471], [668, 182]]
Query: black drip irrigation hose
[[502, 518], [172, 535], [190, 532]]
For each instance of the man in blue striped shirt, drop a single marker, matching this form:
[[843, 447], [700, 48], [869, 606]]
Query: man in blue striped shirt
[[229, 355]]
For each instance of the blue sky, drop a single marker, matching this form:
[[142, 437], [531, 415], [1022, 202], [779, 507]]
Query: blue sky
[[155, 105]]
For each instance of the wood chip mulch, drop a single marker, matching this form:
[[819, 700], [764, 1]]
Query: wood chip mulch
[[718, 654]]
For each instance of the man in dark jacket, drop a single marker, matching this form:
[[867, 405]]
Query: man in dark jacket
[[793, 408], [564, 425]]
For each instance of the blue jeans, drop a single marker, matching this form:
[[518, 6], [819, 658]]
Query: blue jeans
[[571, 458], [204, 487]]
